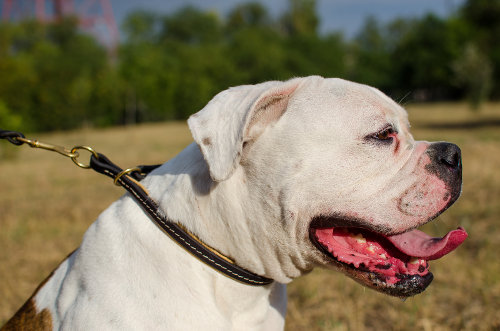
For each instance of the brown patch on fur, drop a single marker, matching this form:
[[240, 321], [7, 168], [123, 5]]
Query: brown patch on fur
[[27, 318], [207, 141]]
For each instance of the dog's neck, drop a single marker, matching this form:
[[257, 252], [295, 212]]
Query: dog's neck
[[229, 219], [128, 253]]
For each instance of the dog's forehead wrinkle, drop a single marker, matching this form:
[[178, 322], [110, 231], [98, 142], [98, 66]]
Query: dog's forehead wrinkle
[[350, 113]]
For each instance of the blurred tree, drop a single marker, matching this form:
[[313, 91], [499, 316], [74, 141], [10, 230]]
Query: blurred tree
[[483, 16], [167, 67], [49, 72], [176, 71], [203, 72], [107, 100], [258, 54], [316, 55], [192, 26], [483, 13], [372, 63], [141, 26], [473, 71], [144, 69], [252, 14], [422, 58], [9, 120], [67, 63], [301, 18]]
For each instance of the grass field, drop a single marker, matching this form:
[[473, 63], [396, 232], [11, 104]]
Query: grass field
[[47, 203]]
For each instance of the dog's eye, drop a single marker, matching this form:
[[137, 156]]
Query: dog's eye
[[385, 135]]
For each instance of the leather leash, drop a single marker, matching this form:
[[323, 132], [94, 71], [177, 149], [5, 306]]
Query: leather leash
[[130, 180]]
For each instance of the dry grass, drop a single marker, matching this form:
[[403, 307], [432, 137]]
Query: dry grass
[[47, 203]]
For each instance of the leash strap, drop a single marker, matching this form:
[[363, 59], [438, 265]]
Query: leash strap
[[130, 180], [11, 136]]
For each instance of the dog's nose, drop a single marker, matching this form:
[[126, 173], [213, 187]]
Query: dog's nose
[[446, 163], [448, 154]]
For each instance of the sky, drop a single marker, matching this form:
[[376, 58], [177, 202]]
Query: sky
[[346, 16]]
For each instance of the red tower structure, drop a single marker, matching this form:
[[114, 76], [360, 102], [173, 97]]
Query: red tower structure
[[94, 16]]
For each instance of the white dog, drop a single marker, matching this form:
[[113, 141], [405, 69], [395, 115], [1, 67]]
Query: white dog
[[283, 177]]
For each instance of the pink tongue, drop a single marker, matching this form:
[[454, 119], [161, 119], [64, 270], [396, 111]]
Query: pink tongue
[[418, 244]]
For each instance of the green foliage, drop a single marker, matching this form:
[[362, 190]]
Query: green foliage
[[8, 120], [301, 18], [252, 14], [373, 64], [483, 17], [140, 26], [473, 70], [50, 74], [192, 26], [423, 58], [169, 66]]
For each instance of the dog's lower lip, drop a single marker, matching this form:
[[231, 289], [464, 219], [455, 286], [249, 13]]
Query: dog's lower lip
[[381, 275]]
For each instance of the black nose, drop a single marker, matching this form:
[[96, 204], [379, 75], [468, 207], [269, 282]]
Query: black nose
[[446, 161], [446, 164], [449, 155]]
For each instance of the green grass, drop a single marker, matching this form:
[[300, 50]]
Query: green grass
[[47, 203]]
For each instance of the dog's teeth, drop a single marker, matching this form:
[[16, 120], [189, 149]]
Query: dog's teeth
[[359, 238], [383, 256], [371, 249], [414, 260]]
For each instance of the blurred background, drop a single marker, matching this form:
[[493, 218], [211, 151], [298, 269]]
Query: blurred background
[[123, 75], [70, 63]]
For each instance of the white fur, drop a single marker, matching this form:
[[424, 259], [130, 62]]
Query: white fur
[[267, 158]]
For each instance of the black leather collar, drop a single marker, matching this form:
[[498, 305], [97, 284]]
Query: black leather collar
[[130, 180]]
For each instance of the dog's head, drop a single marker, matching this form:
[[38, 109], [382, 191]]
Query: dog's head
[[335, 176]]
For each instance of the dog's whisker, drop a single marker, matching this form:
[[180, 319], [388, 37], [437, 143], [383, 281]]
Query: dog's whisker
[[400, 102]]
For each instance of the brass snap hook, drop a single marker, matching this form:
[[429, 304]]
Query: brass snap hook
[[54, 148]]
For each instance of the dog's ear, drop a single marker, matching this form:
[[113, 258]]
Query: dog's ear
[[235, 116]]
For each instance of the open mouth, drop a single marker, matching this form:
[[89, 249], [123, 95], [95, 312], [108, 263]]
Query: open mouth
[[396, 265]]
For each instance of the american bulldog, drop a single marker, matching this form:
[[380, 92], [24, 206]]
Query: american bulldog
[[282, 177]]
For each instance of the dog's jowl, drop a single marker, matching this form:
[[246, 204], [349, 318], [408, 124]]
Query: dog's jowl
[[282, 177]]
